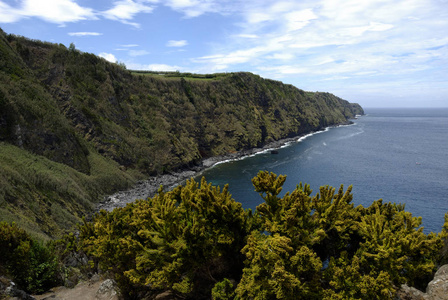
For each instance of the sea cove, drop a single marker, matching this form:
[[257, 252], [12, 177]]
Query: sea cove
[[399, 155]]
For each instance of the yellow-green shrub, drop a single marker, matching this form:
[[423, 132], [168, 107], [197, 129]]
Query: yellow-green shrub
[[297, 246]]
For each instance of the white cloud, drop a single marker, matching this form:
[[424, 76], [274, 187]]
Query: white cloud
[[281, 56], [153, 67], [134, 53], [84, 33], [63, 11], [193, 8], [108, 56], [59, 12], [126, 47], [285, 70], [8, 14], [374, 26], [173, 43], [125, 10], [296, 20], [367, 37], [224, 61], [129, 48], [246, 36], [259, 17], [360, 30], [162, 67]]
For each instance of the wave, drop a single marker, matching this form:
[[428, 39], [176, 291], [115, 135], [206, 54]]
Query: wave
[[360, 131], [282, 145]]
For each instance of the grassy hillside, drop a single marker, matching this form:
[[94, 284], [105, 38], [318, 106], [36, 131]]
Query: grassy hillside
[[74, 127]]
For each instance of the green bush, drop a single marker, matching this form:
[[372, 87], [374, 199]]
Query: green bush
[[223, 290], [184, 240], [298, 246], [31, 265], [322, 247]]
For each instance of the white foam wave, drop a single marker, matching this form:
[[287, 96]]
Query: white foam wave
[[286, 144]]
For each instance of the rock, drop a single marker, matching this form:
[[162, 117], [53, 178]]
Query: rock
[[73, 277], [86, 290], [9, 290], [76, 259], [107, 291], [167, 295], [438, 287], [410, 293], [95, 278]]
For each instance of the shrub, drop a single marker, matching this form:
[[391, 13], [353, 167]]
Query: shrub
[[31, 265], [184, 240], [195, 240]]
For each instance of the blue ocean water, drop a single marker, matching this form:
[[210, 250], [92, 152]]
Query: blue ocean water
[[399, 155]]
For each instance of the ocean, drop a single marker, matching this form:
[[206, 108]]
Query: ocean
[[399, 155]]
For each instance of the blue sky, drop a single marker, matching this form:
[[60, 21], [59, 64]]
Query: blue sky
[[379, 53]]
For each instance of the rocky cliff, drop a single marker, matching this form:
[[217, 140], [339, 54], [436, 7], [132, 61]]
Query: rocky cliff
[[74, 127]]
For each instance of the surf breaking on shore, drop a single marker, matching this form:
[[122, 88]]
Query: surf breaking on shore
[[148, 188]]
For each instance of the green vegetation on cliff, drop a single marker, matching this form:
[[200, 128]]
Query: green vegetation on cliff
[[74, 127]]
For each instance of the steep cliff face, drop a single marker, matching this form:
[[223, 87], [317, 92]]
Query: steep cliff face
[[74, 126]]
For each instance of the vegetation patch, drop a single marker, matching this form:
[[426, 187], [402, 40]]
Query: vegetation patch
[[198, 243]]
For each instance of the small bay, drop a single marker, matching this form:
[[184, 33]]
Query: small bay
[[399, 155]]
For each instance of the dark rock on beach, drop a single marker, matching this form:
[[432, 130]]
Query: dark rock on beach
[[148, 188]]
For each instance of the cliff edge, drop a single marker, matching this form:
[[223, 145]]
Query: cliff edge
[[74, 127]]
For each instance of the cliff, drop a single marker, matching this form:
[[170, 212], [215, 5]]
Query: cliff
[[74, 127]]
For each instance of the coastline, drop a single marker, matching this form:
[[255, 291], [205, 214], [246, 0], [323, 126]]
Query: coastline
[[149, 187]]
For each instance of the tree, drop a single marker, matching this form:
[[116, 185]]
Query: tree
[[72, 47], [185, 240]]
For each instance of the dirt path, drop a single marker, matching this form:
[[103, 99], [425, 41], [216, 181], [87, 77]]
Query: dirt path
[[87, 290]]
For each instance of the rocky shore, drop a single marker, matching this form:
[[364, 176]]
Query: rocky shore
[[148, 188]]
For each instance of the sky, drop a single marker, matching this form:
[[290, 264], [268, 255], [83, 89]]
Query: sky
[[378, 53]]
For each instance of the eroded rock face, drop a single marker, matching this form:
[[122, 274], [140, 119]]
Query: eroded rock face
[[437, 289], [107, 291], [410, 293]]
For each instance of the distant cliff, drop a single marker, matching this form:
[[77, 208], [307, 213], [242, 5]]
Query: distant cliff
[[74, 127]]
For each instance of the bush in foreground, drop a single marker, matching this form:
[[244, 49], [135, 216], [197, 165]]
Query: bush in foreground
[[199, 243]]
